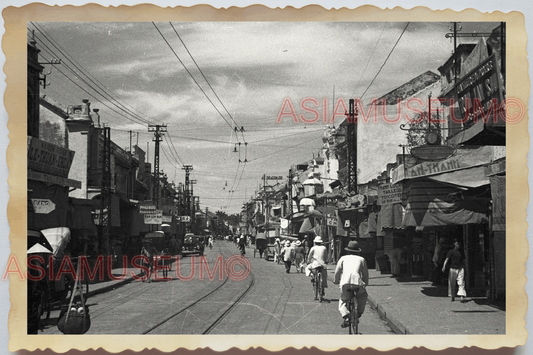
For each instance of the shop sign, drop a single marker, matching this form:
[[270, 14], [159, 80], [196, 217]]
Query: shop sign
[[331, 221], [271, 177], [49, 158], [42, 205], [432, 152], [482, 84], [184, 219], [389, 193], [465, 158], [155, 217], [53, 179], [167, 219], [147, 209]]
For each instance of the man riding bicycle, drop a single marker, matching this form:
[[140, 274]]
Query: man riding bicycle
[[317, 260], [351, 274]]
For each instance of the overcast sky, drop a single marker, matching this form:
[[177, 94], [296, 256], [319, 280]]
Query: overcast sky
[[252, 67]]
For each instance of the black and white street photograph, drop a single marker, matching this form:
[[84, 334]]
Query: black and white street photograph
[[267, 178]]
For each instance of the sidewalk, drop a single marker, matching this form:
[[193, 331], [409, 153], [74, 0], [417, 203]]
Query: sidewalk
[[413, 306], [109, 285]]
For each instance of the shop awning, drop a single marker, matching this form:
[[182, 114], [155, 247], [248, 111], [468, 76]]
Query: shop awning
[[306, 226], [434, 204], [468, 178], [390, 216], [440, 213]]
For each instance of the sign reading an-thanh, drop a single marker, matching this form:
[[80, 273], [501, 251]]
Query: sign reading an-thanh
[[464, 158], [389, 193]]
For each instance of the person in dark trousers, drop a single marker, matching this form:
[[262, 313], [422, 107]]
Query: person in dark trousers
[[457, 272], [441, 249], [286, 255]]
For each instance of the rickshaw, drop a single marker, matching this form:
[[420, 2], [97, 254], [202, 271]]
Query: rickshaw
[[261, 245], [54, 292], [162, 259]]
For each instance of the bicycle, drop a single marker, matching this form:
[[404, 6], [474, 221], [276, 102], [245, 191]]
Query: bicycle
[[318, 286], [353, 319]]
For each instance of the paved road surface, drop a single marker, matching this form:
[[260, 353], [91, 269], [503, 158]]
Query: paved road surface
[[275, 303]]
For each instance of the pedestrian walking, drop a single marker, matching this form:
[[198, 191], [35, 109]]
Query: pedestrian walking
[[457, 272], [299, 257], [277, 250], [287, 256], [439, 255], [173, 245], [149, 251]]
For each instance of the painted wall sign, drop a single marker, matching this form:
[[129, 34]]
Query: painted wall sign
[[389, 193], [49, 158]]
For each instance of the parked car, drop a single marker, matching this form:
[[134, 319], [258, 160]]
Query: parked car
[[193, 244]]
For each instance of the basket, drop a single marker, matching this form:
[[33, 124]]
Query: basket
[[73, 322]]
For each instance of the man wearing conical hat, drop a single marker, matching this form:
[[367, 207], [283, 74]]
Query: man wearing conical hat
[[351, 274]]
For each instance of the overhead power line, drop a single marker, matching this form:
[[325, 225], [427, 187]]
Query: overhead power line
[[201, 72], [190, 74], [70, 63], [386, 59]]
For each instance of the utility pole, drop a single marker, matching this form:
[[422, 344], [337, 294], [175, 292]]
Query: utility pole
[[193, 204], [105, 193], [158, 137], [352, 152], [352, 148], [267, 234], [290, 193], [206, 224], [186, 192]]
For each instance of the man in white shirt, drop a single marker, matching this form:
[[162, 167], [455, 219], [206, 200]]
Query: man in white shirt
[[317, 259], [351, 274]]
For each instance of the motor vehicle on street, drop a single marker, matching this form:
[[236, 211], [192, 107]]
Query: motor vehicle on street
[[193, 244]]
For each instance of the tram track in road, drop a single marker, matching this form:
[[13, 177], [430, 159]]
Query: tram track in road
[[198, 306]]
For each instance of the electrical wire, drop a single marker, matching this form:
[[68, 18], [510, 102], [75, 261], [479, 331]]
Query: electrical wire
[[190, 74], [89, 79], [201, 72], [386, 59]]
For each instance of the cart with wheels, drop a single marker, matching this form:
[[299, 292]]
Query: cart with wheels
[[261, 245]]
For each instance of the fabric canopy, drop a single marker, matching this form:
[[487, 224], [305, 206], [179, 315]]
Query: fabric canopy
[[58, 239], [391, 216], [441, 213], [306, 226], [473, 177], [314, 213]]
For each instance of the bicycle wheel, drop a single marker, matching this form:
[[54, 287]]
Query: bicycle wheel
[[320, 287], [354, 320], [318, 282]]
